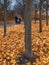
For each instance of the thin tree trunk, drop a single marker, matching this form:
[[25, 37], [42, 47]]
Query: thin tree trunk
[[47, 15], [35, 15], [40, 23], [5, 9], [5, 23]]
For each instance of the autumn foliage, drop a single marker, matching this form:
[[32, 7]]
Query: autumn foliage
[[12, 46]]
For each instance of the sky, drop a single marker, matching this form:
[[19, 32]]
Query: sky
[[21, 1], [13, 3]]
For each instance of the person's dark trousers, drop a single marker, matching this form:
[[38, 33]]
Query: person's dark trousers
[[16, 18]]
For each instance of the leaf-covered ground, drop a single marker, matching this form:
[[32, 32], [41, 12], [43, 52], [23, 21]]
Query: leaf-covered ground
[[12, 45]]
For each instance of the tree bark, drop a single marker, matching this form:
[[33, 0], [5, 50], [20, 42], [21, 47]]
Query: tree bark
[[47, 14], [35, 15], [5, 9], [40, 21], [27, 22], [5, 23]]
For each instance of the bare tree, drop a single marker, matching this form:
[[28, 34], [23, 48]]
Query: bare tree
[[47, 13], [5, 12], [4, 5], [40, 23], [35, 12]]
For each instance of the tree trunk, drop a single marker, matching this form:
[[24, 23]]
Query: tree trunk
[[5, 9], [47, 15], [40, 23], [5, 23], [27, 22], [35, 15]]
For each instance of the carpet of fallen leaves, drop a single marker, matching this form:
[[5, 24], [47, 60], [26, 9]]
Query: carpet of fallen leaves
[[12, 45]]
